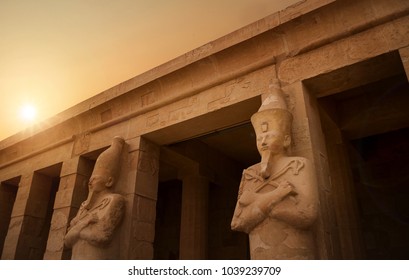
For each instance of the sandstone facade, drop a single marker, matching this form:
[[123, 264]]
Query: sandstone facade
[[343, 66]]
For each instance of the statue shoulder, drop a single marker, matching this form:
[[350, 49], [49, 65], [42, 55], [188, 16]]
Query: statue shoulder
[[253, 169], [116, 207], [116, 196], [252, 172], [115, 200]]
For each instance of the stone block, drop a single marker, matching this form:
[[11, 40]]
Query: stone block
[[102, 135], [12, 238], [145, 209], [142, 170], [134, 144], [55, 243], [404, 54], [20, 203], [39, 196], [50, 255], [388, 9], [147, 175], [32, 226], [143, 231], [63, 199], [81, 143], [60, 219], [301, 8], [141, 250], [69, 166], [362, 46], [67, 182], [72, 192]]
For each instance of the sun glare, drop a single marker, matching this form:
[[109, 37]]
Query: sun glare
[[28, 112]]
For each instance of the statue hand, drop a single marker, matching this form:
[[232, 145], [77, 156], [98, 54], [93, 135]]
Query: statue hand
[[87, 220], [286, 188], [246, 198]]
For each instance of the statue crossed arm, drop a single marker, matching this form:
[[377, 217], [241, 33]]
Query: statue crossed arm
[[252, 208], [300, 207], [97, 225], [293, 203]]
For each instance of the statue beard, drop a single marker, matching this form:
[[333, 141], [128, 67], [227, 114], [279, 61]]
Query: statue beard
[[90, 200], [265, 164]]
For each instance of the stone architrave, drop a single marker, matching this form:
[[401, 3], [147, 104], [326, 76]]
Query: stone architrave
[[91, 232], [278, 200]]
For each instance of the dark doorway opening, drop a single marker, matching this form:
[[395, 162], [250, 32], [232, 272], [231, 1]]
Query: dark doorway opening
[[168, 213], [381, 178], [219, 156], [367, 132], [45, 186]]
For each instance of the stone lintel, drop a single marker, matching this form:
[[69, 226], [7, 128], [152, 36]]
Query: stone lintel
[[356, 48]]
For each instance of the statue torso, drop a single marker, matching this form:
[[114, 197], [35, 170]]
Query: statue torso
[[270, 237]]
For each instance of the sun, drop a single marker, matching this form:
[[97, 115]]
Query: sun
[[28, 112]]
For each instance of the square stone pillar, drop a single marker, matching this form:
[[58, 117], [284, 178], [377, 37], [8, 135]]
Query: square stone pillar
[[308, 141], [404, 55], [24, 235], [194, 220], [141, 191], [8, 194], [345, 204], [72, 191]]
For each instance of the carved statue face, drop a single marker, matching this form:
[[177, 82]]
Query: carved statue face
[[99, 182], [273, 141]]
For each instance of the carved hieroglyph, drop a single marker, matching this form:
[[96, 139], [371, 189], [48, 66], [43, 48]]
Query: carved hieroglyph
[[277, 201], [91, 232]]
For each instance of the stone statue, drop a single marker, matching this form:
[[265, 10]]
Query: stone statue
[[91, 232], [277, 200]]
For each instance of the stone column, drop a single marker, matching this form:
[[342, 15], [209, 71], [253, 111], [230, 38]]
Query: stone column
[[194, 220], [27, 219], [404, 55], [72, 191], [344, 198], [141, 190], [308, 141], [8, 194]]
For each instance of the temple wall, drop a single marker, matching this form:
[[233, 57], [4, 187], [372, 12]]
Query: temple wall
[[213, 87]]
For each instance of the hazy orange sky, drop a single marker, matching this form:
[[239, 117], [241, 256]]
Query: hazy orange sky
[[55, 54]]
